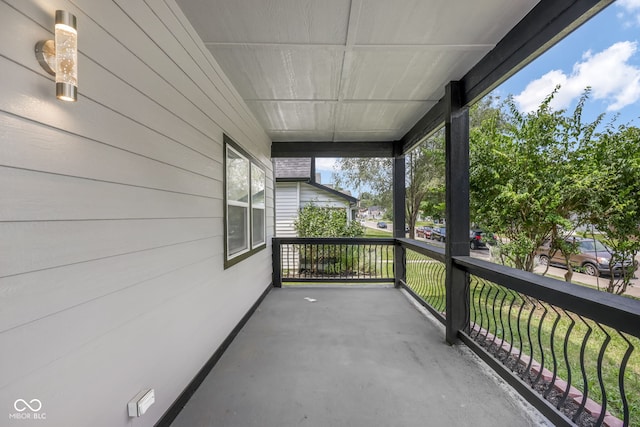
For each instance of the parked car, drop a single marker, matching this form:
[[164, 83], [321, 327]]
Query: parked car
[[592, 258], [439, 233], [382, 224], [479, 239], [424, 232]]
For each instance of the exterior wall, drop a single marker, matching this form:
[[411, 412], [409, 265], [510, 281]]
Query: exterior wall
[[292, 196], [309, 193], [287, 207], [111, 213]]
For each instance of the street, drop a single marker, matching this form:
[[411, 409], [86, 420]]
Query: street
[[555, 272]]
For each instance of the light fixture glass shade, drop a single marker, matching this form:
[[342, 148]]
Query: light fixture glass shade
[[66, 45]]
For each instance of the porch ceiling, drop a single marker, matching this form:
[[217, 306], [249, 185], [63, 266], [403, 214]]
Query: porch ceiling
[[348, 70]]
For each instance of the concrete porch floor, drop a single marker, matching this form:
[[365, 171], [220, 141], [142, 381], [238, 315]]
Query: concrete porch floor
[[355, 357]]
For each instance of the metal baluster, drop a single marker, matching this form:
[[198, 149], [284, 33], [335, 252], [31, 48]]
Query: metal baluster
[[553, 352], [510, 317], [531, 355], [495, 321], [520, 341], [539, 376], [486, 307], [565, 350], [504, 296], [623, 368], [479, 301], [600, 379], [585, 383], [472, 307]]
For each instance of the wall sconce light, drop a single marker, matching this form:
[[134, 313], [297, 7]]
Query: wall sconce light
[[60, 57]]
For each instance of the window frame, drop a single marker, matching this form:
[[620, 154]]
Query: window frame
[[258, 206], [252, 248]]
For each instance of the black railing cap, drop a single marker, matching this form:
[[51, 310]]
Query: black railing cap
[[618, 312]]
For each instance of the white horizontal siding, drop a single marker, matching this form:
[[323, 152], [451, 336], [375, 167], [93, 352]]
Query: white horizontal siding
[[319, 197], [111, 257], [287, 207]]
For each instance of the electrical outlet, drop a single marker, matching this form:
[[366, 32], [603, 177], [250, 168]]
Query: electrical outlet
[[141, 402]]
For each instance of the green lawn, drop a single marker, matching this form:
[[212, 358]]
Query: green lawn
[[373, 232]]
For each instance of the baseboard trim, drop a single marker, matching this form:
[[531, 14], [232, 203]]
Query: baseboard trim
[[170, 414]]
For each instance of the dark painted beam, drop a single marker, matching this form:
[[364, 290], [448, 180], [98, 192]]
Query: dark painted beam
[[457, 213], [544, 26], [332, 149], [399, 217], [429, 123], [547, 23]]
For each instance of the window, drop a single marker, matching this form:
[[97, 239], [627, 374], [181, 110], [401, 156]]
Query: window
[[245, 184], [257, 206]]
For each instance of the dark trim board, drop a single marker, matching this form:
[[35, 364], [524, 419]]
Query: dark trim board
[[332, 149], [170, 414], [335, 192], [539, 30]]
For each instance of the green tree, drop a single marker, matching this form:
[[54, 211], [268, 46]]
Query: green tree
[[424, 171], [615, 201], [425, 176], [316, 221], [433, 204], [524, 182], [375, 174]]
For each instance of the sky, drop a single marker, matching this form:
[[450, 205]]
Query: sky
[[604, 54]]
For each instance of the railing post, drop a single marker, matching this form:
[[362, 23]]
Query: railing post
[[399, 190], [457, 205], [277, 263]]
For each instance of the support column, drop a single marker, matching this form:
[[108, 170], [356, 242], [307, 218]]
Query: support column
[[399, 216], [276, 262], [457, 205]]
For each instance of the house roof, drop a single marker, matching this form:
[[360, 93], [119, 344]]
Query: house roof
[[292, 168], [300, 169], [333, 191], [356, 70]]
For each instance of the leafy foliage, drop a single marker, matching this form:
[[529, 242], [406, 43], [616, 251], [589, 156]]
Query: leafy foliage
[[316, 221], [425, 177], [424, 174], [540, 175], [614, 207], [525, 177]]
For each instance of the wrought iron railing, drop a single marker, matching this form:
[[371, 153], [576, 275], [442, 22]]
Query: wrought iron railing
[[570, 350], [369, 260], [425, 275]]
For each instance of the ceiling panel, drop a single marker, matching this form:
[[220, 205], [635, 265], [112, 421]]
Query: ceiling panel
[[379, 116], [444, 22], [357, 70], [281, 72], [368, 136], [299, 135], [269, 21], [307, 116], [405, 74]]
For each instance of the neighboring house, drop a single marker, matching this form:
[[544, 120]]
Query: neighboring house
[[297, 186], [374, 212]]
